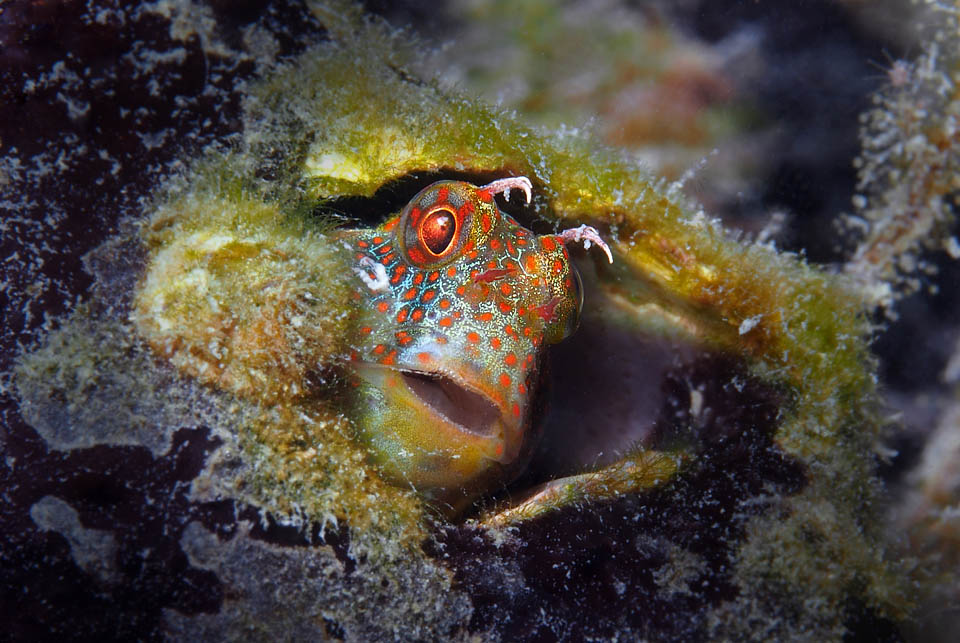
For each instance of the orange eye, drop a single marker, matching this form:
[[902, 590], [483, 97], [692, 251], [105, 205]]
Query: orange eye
[[438, 230], [434, 227]]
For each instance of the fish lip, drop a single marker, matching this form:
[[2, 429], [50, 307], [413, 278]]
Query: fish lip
[[495, 422]]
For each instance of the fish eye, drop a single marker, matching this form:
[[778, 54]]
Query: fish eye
[[438, 230], [435, 225]]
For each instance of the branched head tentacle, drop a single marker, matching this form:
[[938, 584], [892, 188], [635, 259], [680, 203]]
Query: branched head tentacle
[[586, 235], [505, 185]]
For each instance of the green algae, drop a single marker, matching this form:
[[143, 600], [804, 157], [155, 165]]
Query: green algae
[[355, 123]]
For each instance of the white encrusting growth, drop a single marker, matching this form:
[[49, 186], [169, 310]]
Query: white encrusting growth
[[587, 236], [749, 323], [379, 281]]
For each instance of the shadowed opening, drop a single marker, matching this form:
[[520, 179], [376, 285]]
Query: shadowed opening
[[389, 200], [473, 412]]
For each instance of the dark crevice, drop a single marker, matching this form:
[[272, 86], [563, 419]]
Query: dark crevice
[[604, 559], [390, 199]]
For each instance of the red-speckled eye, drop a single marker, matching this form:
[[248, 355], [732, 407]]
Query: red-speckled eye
[[435, 227], [438, 230]]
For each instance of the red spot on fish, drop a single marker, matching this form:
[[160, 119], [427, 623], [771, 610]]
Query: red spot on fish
[[378, 349], [504, 307], [433, 276], [485, 317], [383, 306], [423, 357], [446, 322], [390, 358], [548, 243], [366, 330], [410, 294], [516, 409], [510, 359], [444, 303], [548, 311], [495, 342], [493, 274], [417, 314], [473, 337], [402, 315], [428, 295], [418, 279], [451, 272], [504, 380]]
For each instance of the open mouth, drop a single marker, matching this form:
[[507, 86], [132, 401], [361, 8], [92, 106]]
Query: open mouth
[[467, 409]]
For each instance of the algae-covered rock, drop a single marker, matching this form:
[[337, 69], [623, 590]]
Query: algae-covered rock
[[178, 454]]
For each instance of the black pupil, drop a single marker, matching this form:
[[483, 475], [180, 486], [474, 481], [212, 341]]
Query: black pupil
[[438, 231]]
